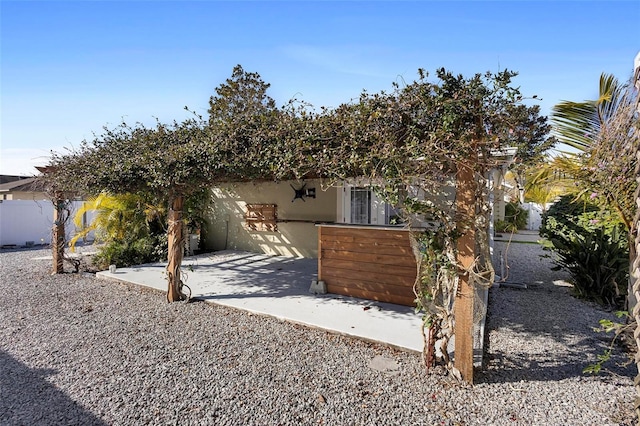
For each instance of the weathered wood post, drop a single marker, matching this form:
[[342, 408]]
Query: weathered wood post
[[176, 248], [57, 233], [463, 304], [635, 254], [635, 275]]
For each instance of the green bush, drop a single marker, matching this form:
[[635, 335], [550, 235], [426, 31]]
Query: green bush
[[134, 250], [591, 244], [133, 226], [504, 226], [516, 216]]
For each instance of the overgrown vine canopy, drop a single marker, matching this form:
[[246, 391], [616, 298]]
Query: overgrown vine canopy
[[424, 129], [410, 142]]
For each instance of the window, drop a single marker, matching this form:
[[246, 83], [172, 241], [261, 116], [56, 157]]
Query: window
[[360, 205]]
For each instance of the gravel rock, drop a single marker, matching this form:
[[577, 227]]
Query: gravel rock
[[77, 350]]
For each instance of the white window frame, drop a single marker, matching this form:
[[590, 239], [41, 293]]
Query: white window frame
[[378, 213]]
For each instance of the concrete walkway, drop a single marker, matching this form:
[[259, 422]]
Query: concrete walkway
[[279, 287]]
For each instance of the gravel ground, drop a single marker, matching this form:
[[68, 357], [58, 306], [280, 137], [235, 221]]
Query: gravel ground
[[77, 350]]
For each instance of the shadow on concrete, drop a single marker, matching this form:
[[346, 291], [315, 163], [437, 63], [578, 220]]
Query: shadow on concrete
[[242, 276], [260, 276], [29, 399]]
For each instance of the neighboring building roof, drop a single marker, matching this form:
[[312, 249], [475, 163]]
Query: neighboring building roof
[[11, 178], [23, 184]]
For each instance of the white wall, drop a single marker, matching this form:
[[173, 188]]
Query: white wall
[[30, 220], [535, 215], [297, 238]]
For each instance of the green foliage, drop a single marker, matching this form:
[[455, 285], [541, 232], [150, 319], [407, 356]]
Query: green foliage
[[515, 215], [515, 218], [410, 142], [620, 331], [132, 250], [133, 226], [592, 245], [504, 226], [578, 124], [605, 131]]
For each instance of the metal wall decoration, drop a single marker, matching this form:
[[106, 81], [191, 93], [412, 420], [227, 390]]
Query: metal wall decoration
[[303, 192]]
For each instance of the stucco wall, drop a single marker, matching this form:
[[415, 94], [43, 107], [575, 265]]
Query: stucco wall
[[227, 228], [20, 195]]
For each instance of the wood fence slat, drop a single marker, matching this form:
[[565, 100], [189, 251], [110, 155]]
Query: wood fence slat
[[376, 264], [362, 247], [369, 277], [372, 257], [379, 289], [380, 234], [371, 295], [328, 264], [395, 242]]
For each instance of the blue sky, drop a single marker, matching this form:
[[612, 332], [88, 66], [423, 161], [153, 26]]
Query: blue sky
[[69, 68]]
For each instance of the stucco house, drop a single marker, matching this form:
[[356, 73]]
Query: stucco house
[[361, 248], [20, 188], [347, 228]]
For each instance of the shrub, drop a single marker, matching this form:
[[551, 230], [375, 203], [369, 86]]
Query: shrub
[[591, 244], [515, 215], [504, 226], [133, 226], [134, 249]]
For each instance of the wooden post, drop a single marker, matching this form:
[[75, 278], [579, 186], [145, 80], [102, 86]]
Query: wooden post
[[176, 248], [319, 253], [463, 305], [57, 235]]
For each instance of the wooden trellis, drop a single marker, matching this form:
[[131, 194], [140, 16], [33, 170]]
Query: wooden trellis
[[261, 217]]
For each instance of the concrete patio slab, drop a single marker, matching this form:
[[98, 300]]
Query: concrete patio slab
[[279, 287]]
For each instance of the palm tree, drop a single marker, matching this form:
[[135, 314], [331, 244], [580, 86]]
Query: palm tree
[[542, 186], [601, 131], [124, 219], [578, 124], [635, 264], [607, 133]]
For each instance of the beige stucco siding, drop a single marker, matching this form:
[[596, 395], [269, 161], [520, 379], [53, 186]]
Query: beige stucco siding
[[23, 195], [227, 229]]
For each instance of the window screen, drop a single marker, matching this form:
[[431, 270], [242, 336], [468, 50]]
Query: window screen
[[360, 205]]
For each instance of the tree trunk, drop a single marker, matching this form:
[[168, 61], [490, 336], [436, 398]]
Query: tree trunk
[[635, 234], [57, 236], [175, 238]]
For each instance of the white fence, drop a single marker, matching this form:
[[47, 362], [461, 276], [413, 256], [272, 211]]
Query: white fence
[[535, 215], [27, 222]]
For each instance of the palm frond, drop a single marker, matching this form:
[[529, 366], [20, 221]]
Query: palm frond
[[578, 124]]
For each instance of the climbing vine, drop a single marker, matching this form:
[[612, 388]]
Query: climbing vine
[[409, 143]]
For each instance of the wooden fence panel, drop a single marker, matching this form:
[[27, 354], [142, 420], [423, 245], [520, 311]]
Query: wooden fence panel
[[369, 263]]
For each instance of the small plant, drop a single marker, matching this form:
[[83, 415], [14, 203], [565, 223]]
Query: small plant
[[131, 251], [620, 332], [130, 225]]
